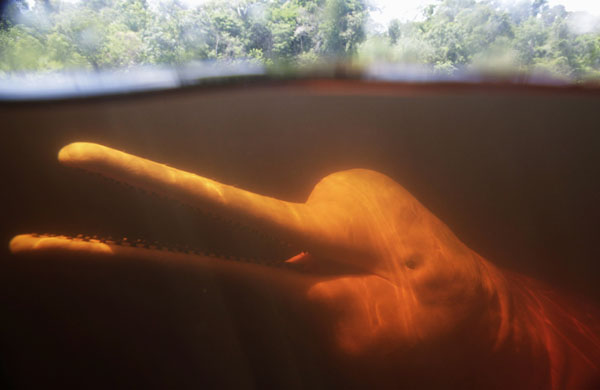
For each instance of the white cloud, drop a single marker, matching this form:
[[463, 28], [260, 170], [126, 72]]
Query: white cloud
[[412, 9], [590, 6]]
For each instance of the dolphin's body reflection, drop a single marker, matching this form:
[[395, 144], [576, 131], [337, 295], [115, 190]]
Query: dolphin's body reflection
[[390, 291]]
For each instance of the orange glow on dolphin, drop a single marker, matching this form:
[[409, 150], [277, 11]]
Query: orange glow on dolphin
[[401, 288]]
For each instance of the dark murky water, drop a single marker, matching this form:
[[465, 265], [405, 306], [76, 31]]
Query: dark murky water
[[512, 173]]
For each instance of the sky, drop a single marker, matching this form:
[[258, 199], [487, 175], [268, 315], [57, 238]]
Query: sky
[[412, 9]]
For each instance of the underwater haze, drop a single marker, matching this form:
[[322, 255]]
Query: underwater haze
[[256, 232]]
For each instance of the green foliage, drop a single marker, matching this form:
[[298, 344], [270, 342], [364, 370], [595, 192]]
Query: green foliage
[[451, 35], [101, 34], [394, 31], [19, 50], [489, 36], [343, 26]]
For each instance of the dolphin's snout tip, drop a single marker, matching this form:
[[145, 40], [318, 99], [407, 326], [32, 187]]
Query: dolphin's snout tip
[[77, 152], [19, 243]]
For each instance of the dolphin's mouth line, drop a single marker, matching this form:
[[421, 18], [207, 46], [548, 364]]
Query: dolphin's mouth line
[[157, 246], [243, 243], [168, 212]]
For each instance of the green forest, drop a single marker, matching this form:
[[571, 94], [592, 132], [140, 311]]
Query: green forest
[[526, 36]]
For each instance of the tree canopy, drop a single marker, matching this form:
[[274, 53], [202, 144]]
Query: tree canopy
[[451, 35], [490, 36]]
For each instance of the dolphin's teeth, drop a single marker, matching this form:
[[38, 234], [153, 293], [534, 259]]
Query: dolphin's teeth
[[216, 251], [144, 243]]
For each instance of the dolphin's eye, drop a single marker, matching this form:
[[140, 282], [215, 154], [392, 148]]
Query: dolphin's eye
[[411, 263]]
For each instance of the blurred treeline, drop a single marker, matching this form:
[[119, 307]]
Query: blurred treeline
[[496, 36], [54, 34], [521, 36]]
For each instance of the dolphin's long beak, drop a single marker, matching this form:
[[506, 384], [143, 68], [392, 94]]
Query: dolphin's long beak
[[302, 226], [286, 220]]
